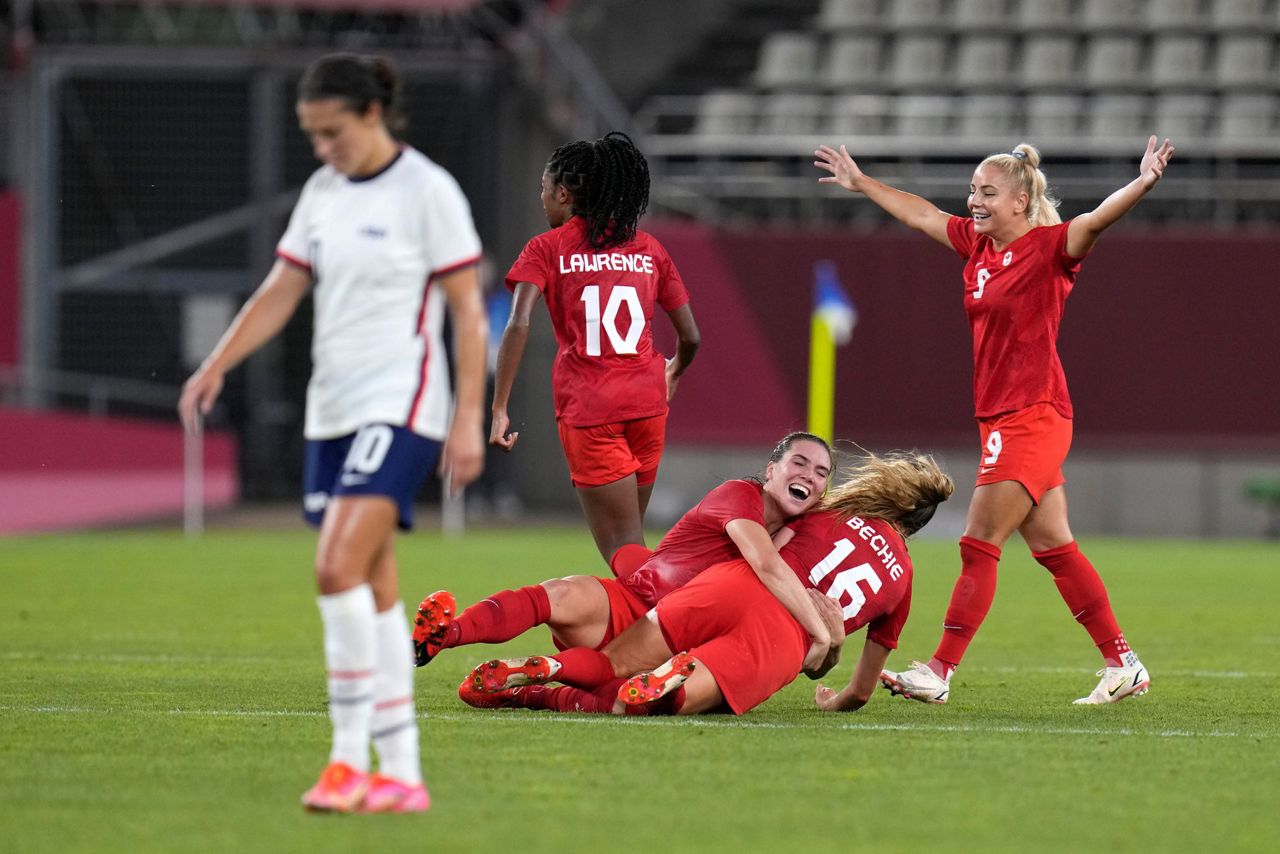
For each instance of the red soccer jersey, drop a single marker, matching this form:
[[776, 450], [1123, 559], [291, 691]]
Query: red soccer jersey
[[601, 306], [1014, 300], [698, 540], [861, 563]]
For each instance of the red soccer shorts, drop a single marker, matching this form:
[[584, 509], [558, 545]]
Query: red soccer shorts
[[609, 452], [1028, 446], [735, 628]]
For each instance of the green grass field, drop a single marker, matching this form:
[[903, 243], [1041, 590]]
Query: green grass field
[[158, 694]]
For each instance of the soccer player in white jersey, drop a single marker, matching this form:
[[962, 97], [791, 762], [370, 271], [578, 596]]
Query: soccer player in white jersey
[[383, 238]]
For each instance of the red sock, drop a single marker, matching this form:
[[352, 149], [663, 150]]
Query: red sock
[[503, 616], [1085, 594], [565, 698], [584, 668], [970, 600], [627, 559]]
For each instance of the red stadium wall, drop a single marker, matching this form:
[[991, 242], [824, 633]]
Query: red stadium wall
[[66, 471], [1170, 340]]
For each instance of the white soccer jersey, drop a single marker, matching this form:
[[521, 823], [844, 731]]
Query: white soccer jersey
[[373, 247]]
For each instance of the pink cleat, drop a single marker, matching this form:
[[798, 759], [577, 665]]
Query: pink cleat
[[387, 794], [340, 788], [436, 613], [502, 673], [658, 683]]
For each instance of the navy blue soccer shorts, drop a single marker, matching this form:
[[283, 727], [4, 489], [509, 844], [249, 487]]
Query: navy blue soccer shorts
[[377, 459]]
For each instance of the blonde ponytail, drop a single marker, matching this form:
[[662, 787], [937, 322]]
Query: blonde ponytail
[[1022, 165]]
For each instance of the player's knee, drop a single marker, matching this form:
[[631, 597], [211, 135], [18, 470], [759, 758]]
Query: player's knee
[[335, 572]]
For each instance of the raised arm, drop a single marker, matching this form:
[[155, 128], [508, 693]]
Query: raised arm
[[910, 210], [687, 340], [257, 322], [462, 458], [1085, 229], [757, 549], [866, 674], [510, 351]]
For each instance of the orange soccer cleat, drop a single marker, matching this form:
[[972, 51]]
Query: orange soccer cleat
[[436, 613], [507, 698], [340, 788], [658, 683], [387, 794], [501, 673]]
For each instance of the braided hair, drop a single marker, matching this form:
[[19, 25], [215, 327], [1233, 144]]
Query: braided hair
[[609, 180]]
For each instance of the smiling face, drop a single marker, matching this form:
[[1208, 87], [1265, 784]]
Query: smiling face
[[998, 207], [796, 482], [351, 143], [557, 202]]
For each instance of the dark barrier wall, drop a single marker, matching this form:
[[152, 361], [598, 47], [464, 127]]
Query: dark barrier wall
[[1170, 340], [10, 271]]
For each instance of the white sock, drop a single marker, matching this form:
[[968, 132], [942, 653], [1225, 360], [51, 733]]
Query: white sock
[[349, 653], [395, 727]]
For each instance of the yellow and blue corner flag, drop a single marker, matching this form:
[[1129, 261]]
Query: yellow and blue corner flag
[[834, 317]]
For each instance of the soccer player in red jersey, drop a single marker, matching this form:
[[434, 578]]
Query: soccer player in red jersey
[[737, 645], [601, 278], [736, 520], [1021, 263]]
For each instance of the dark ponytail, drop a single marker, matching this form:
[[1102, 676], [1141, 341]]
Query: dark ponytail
[[358, 81], [609, 180]]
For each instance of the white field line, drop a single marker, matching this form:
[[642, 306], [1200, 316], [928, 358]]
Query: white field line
[[262, 659], [503, 717]]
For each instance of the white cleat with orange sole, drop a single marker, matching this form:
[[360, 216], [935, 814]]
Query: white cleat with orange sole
[[1118, 683], [918, 683]]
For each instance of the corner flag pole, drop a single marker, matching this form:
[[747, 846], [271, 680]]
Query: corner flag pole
[[831, 326]]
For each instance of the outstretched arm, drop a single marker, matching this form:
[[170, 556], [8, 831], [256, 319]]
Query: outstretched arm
[[687, 340], [1085, 229], [757, 549], [910, 210], [860, 688], [265, 314], [510, 351]]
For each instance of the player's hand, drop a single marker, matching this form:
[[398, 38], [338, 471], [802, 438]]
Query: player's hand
[[843, 170], [816, 656], [462, 459], [498, 434], [199, 393], [826, 699], [1154, 161], [672, 379], [832, 614]]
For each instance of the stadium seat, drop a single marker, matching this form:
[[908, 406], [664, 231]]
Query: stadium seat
[[919, 62], [983, 62], [989, 116], [1113, 62], [1113, 17], [923, 115], [1047, 15], [1179, 15], [907, 15], [1180, 62], [1049, 116], [1183, 116], [853, 61], [1248, 116], [860, 115], [1246, 61], [985, 15], [838, 15], [726, 111], [1049, 62], [1119, 116], [1252, 16], [792, 114], [788, 60]]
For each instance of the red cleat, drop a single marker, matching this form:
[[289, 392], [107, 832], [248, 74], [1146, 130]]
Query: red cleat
[[501, 673], [436, 613], [658, 683], [507, 698]]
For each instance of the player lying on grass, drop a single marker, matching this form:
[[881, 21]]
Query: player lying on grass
[[735, 645], [735, 520]]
